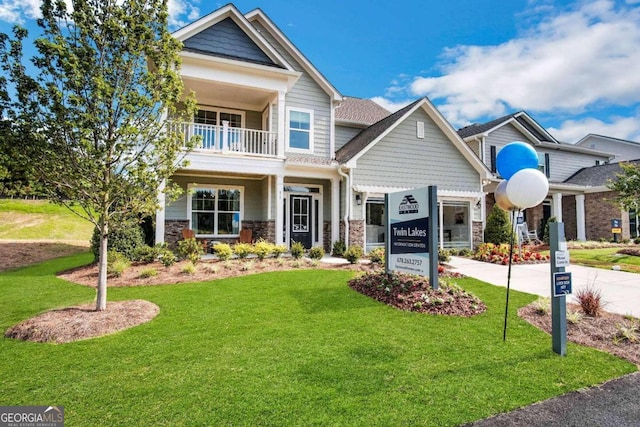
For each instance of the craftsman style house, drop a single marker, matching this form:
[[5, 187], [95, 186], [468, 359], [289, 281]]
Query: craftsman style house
[[578, 177], [287, 156]]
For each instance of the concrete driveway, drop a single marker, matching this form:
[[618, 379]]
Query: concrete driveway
[[620, 290]]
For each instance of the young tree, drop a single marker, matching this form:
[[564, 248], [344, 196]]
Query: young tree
[[627, 186], [106, 79], [498, 229]]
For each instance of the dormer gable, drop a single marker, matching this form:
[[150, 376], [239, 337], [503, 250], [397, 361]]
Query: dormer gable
[[226, 33]]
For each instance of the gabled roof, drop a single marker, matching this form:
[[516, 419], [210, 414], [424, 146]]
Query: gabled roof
[[231, 21], [521, 120], [597, 176], [608, 138], [259, 16], [367, 138], [360, 111]]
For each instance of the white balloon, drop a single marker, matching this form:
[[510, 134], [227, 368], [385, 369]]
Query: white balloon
[[527, 188], [501, 196]]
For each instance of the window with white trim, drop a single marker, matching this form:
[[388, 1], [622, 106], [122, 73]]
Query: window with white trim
[[215, 211], [299, 129]]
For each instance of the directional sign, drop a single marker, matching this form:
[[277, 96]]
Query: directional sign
[[561, 284], [562, 258]]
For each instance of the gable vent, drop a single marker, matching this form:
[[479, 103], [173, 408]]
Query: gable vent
[[420, 130]]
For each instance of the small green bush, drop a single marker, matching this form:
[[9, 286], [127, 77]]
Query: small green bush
[[545, 235], [166, 257], [498, 229], [443, 255], [144, 254], [148, 272], [376, 255], [278, 250], [542, 306], [353, 253], [190, 249], [338, 248], [242, 250], [189, 268], [297, 250], [262, 249], [223, 251], [316, 252], [117, 263], [124, 237], [466, 252]]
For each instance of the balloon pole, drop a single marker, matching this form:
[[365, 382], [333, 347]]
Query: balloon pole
[[506, 308]]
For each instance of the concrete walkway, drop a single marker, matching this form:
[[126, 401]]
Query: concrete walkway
[[620, 290]]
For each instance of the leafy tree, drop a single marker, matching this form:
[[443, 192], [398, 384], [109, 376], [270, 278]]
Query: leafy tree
[[106, 79], [627, 186], [498, 228]]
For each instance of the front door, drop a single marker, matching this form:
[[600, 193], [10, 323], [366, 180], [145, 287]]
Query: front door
[[301, 220]]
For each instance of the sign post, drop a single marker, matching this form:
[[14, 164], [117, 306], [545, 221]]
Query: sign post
[[560, 284], [412, 224], [616, 228]]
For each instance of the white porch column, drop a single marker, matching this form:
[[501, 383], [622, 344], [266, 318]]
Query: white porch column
[[160, 214], [335, 210], [282, 124], [580, 218], [557, 206], [279, 209]]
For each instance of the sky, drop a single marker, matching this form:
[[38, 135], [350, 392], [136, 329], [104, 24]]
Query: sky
[[573, 66]]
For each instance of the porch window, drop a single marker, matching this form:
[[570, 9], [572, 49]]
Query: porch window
[[215, 211], [456, 224], [299, 129], [375, 224]]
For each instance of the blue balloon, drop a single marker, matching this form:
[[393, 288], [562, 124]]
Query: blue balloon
[[514, 157]]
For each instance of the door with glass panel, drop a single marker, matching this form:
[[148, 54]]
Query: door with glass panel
[[301, 220]]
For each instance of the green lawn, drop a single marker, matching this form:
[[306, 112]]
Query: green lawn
[[287, 348], [41, 220], [605, 258]]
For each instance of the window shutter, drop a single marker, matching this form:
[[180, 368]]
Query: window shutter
[[547, 172], [420, 130], [492, 149]]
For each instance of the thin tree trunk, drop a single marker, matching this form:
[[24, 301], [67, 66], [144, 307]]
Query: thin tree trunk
[[101, 299]]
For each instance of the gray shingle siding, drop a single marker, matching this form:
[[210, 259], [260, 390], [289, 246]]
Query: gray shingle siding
[[403, 160], [307, 94], [226, 39], [344, 135]]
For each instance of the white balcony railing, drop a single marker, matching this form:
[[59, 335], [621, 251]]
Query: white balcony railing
[[227, 139]]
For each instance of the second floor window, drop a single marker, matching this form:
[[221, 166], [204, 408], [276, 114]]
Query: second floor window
[[300, 131]]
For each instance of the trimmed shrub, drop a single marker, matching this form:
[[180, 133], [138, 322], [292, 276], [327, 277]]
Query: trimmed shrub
[[124, 237], [117, 263], [545, 235], [223, 251], [353, 253], [316, 252], [443, 255], [297, 250], [278, 250], [376, 255], [166, 256], [262, 249], [338, 248], [190, 249], [242, 250], [498, 229]]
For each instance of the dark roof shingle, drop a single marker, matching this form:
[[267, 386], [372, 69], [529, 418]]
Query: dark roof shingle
[[360, 111], [596, 176]]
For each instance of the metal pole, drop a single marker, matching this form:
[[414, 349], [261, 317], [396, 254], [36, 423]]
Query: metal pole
[[558, 304], [433, 236]]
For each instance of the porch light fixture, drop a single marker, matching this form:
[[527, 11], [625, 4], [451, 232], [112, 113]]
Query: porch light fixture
[[358, 200]]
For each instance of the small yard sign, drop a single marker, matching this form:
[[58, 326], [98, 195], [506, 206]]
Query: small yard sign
[[616, 226], [561, 284], [412, 231]]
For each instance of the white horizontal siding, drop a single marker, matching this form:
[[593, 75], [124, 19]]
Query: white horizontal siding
[[403, 160]]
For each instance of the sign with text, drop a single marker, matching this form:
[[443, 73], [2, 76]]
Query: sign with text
[[616, 226], [408, 225], [562, 258], [561, 284]]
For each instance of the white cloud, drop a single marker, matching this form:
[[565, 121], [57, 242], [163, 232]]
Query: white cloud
[[622, 127], [390, 105], [19, 11], [567, 62]]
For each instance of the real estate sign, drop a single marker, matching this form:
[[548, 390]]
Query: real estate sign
[[412, 230]]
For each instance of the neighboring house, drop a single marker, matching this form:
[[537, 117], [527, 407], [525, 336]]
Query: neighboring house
[[621, 148], [285, 155], [600, 205], [559, 161]]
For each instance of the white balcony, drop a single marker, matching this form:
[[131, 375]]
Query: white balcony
[[226, 139]]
